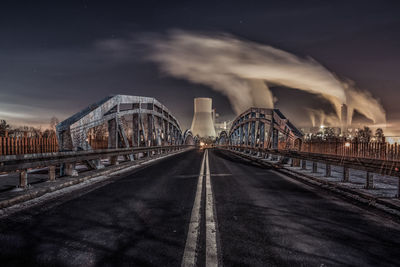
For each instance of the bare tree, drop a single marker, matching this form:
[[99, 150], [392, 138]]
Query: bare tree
[[379, 135], [4, 127], [365, 134]]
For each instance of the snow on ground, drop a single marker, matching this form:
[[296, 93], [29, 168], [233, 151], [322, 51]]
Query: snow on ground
[[384, 186]]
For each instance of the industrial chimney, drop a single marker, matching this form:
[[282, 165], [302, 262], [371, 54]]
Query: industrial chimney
[[202, 123], [344, 118]]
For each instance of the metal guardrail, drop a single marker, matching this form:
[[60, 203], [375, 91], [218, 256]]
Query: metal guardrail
[[383, 167], [68, 159]]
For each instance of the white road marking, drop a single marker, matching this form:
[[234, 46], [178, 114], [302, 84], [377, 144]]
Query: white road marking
[[211, 227], [190, 253], [211, 251]]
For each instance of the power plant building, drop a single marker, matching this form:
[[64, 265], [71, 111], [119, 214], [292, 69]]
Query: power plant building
[[203, 124]]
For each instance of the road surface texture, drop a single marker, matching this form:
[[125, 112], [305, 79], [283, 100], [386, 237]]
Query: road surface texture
[[231, 212]]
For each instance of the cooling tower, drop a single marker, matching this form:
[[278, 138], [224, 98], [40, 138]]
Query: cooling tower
[[202, 123]]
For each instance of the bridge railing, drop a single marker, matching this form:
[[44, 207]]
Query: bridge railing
[[370, 165], [67, 160]]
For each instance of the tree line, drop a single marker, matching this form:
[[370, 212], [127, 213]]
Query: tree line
[[29, 131]]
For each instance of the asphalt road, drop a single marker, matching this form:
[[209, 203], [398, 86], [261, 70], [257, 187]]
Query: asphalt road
[[142, 218]]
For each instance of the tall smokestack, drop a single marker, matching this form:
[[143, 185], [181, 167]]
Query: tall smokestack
[[202, 123], [344, 118]]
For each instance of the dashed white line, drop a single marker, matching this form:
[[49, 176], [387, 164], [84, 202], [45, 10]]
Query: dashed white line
[[190, 253], [211, 251]]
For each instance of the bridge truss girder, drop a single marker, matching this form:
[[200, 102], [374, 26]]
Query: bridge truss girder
[[263, 128], [131, 121]]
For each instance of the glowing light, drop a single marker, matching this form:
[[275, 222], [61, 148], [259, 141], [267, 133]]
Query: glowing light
[[322, 126], [202, 143], [347, 144]]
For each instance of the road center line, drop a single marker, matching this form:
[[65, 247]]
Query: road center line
[[211, 228], [190, 253]]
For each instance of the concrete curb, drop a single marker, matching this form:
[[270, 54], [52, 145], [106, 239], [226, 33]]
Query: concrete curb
[[29, 195], [361, 197]]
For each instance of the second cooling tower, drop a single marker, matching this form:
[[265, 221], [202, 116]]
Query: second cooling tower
[[202, 123]]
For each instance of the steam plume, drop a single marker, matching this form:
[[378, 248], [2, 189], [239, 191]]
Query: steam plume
[[242, 70]]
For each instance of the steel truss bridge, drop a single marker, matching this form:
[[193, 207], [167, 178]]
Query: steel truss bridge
[[133, 127]]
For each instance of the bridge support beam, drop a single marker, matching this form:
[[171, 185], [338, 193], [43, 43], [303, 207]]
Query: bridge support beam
[[304, 164], [346, 175], [52, 173], [370, 181], [314, 167], [23, 179], [328, 169]]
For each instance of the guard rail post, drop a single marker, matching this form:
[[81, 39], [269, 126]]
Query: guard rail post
[[346, 174], [328, 170], [370, 181], [304, 164], [314, 167], [52, 173], [23, 179]]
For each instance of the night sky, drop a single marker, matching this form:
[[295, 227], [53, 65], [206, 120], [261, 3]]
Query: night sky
[[51, 63]]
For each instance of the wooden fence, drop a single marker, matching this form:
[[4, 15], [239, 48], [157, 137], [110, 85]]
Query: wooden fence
[[98, 143], [376, 150], [27, 145]]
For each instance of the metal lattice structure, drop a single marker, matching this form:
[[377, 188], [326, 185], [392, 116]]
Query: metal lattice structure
[[262, 128], [124, 121]]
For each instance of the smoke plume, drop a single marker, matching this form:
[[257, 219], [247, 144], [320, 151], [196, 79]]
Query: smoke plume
[[242, 70]]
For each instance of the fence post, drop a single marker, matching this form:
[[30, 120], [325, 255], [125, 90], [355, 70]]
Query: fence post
[[23, 179], [52, 173], [370, 181], [314, 167], [327, 170], [346, 174]]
